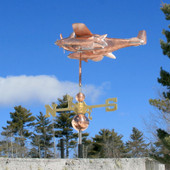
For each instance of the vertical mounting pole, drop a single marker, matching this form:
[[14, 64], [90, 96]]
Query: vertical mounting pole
[[54, 138], [62, 147], [80, 145], [80, 137], [80, 72]]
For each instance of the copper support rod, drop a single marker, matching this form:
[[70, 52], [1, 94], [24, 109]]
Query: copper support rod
[[80, 72]]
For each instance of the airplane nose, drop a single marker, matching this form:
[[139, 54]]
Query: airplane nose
[[58, 43]]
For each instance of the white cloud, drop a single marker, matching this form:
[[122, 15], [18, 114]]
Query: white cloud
[[41, 89]]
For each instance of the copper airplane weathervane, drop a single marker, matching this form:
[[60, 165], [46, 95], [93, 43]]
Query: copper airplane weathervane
[[85, 46], [94, 46]]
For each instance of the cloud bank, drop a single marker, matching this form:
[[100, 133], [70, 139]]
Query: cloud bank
[[41, 89]]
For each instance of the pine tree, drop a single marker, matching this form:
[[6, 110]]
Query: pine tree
[[161, 151], [7, 143], [5, 149], [98, 144], [107, 144], [163, 104], [164, 80], [63, 125], [164, 75], [8, 149], [114, 147], [86, 144], [35, 151], [22, 120], [41, 140], [136, 146]]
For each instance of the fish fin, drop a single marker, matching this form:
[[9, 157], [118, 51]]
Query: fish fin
[[72, 35], [110, 55], [81, 30], [101, 40], [142, 37], [77, 56], [103, 36], [74, 55], [61, 37], [98, 58]]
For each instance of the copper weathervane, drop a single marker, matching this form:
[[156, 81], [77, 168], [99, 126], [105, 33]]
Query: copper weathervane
[[87, 46]]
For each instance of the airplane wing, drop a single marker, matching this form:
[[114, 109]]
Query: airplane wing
[[81, 30]]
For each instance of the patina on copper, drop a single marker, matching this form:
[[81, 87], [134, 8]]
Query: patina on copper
[[94, 46], [80, 122]]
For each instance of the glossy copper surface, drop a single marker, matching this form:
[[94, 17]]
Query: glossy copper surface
[[80, 97], [80, 122], [94, 46], [80, 70]]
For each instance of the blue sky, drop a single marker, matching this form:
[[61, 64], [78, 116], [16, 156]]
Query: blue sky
[[34, 71]]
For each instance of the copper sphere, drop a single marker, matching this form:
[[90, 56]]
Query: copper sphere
[[80, 122], [80, 97]]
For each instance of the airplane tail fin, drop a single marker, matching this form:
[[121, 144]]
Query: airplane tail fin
[[142, 37]]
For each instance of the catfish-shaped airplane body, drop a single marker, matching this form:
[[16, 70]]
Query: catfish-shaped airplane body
[[86, 45]]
